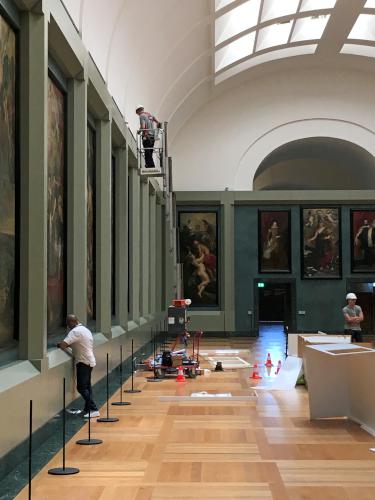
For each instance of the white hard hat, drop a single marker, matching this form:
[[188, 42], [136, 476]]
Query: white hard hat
[[351, 296], [139, 106]]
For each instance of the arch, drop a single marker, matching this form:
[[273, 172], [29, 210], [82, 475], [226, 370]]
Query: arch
[[266, 143]]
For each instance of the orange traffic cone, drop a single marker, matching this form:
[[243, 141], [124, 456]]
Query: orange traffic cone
[[268, 363], [180, 375], [278, 368], [255, 374]]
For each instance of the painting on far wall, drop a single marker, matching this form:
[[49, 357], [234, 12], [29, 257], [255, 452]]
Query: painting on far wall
[[363, 241], [56, 209], [91, 201], [198, 253], [321, 252], [274, 241], [7, 180]]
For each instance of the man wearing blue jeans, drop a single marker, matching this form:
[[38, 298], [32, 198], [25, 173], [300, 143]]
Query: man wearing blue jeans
[[80, 340]]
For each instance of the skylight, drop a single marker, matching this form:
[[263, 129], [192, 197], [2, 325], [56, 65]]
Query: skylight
[[234, 51], [264, 58], [358, 50], [308, 5], [364, 28], [270, 26], [370, 4], [236, 21], [309, 28], [276, 34], [219, 4], [278, 8]]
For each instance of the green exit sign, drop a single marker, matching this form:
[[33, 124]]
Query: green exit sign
[[261, 285]]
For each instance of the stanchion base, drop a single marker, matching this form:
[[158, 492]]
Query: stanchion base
[[121, 403], [89, 441], [107, 419], [132, 391], [61, 471], [152, 379]]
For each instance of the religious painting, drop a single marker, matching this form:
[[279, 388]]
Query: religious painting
[[56, 220], [7, 181], [198, 252], [274, 241], [321, 252], [363, 241], [91, 230]]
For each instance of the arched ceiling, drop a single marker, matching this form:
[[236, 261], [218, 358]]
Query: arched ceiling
[[172, 56], [316, 163]]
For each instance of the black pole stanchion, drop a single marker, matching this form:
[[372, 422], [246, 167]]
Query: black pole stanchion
[[155, 378], [107, 418], [90, 440], [30, 444], [121, 402], [132, 390], [63, 471]]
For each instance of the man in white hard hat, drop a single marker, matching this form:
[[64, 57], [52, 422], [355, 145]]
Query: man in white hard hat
[[353, 316], [146, 125]]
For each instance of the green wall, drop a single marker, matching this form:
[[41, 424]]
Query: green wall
[[321, 299]]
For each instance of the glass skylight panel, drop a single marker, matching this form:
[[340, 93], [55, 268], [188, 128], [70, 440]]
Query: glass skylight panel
[[278, 8], [276, 34], [370, 4], [364, 28], [317, 4], [298, 50], [358, 50], [309, 28], [219, 4], [236, 21], [234, 51]]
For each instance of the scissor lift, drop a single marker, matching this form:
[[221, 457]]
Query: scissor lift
[[158, 152]]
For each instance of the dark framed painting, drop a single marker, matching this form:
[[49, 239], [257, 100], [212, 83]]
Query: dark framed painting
[[198, 243], [8, 183], [56, 209], [362, 224], [91, 223], [274, 241], [321, 242]]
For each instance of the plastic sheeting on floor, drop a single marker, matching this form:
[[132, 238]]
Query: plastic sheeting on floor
[[286, 379]]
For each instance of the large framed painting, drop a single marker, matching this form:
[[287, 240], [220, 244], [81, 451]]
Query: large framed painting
[[113, 237], [198, 253], [91, 218], [363, 241], [321, 242], [56, 217], [274, 241], [7, 182]]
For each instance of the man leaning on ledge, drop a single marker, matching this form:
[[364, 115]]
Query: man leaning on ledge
[[80, 340]]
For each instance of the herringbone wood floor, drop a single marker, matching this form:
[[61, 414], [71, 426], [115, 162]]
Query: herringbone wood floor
[[217, 450]]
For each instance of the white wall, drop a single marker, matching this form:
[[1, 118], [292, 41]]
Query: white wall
[[223, 143]]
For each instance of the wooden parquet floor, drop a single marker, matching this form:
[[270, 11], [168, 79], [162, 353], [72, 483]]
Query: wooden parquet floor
[[216, 450]]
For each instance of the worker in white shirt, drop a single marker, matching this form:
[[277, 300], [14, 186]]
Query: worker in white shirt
[[80, 340]]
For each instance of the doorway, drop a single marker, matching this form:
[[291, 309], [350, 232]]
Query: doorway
[[365, 293], [274, 303]]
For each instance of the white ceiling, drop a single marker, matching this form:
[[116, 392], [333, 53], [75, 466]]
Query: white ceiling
[[163, 54]]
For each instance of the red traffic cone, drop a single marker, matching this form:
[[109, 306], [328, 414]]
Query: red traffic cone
[[278, 368], [180, 375], [268, 363], [255, 375]]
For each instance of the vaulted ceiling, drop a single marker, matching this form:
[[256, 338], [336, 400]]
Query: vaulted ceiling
[[172, 56]]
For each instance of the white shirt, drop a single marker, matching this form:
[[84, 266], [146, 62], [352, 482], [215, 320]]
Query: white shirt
[[81, 341]]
